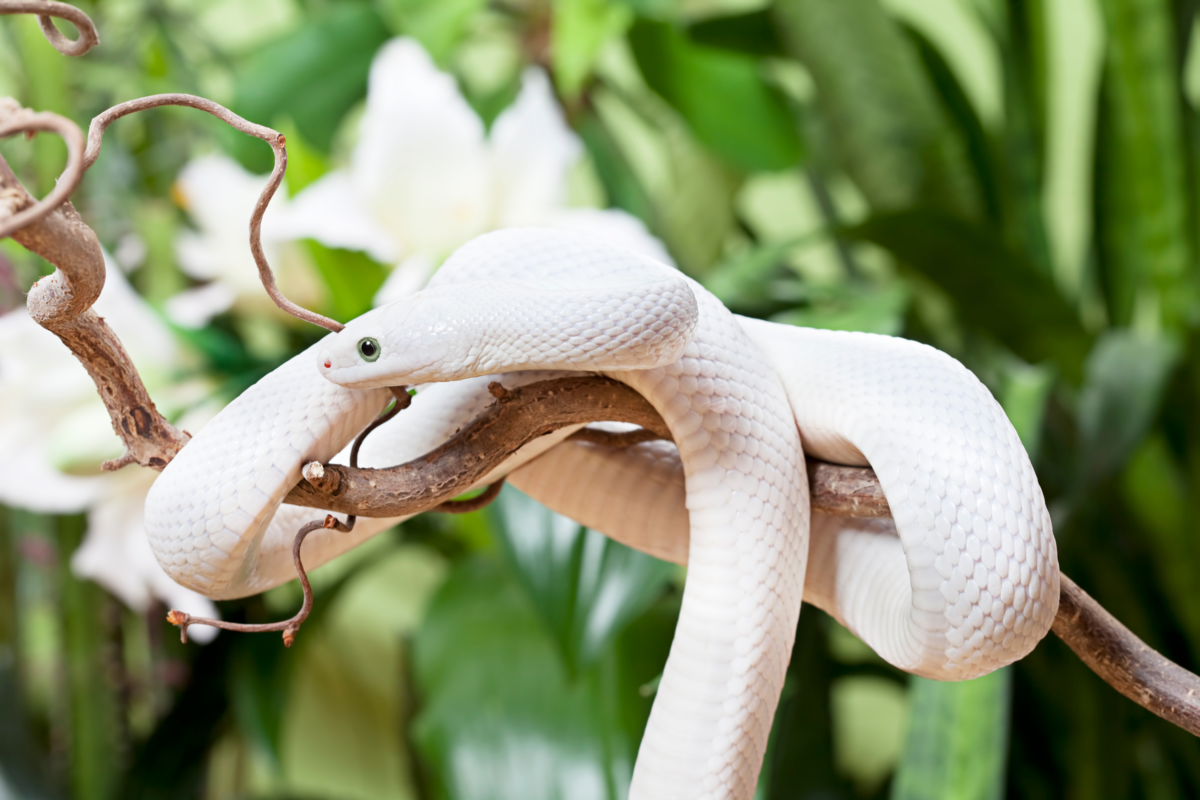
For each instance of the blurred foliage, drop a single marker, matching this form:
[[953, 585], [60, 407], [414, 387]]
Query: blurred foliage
[[1012, 181]]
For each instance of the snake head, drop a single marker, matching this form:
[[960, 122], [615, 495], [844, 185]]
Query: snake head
[[401, 343]]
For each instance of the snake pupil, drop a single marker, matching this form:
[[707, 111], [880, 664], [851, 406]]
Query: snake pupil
[[368, 348]]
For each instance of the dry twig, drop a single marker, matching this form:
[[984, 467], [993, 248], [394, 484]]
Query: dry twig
[[45, 9], [290, 626], [1124, 661], [518, 417], [278, 146], [62, 302], [15, 211], [521, 415], [515, 419]]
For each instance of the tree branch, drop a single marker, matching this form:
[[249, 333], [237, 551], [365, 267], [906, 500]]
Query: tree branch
[[62, 302], [1124, 661], [521, 415], [516, 418]]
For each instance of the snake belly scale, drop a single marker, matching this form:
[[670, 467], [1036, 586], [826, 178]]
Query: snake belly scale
[[736, 400]]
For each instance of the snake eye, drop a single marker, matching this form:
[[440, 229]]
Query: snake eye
[[368, 348]]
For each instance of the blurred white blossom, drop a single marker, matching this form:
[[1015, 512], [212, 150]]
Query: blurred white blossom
[[55, 432], [425, 177], [219, 195]]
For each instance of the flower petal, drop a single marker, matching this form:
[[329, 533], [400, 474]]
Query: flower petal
[[116, 554], [421, 165], [532, 149], [193, 308], [333, 212], [220, 196], [27, 478], [408, 278], [45, 395]]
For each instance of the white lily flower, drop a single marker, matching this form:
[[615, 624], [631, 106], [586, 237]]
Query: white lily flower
[[425, 177], [220, 195], [55, 432]]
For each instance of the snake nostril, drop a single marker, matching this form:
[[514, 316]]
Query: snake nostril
[[328, 365]]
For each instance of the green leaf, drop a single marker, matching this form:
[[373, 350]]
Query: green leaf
[[1154, 486], [1024, 396], [620, 183], [853, 307], [1141, 192], [869, 716], [171, 763], [746, 283], [1126, 377], [352, 277], [46, 89], [345, 709], [957, 740], [259, 677], [586, 587], [1023, 56], [312, 77], [579, 30], [884, 119], [690, 191], [996, 290], [961, 113], [23, 768], [437, 24], [501, 717], [753, 34], [721, 95], [305, 165]]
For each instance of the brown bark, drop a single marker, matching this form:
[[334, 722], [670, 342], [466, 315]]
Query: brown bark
[[62, 302], [515, 419], [1124, 661], [518, 417], [521, 415]]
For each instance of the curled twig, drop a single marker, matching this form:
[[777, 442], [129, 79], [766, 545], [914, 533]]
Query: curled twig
[[13, 120], [62, 302], [292, 625], [45, 10], [289, 626], [278, 146]]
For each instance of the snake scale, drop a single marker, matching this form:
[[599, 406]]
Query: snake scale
[[963, 582]]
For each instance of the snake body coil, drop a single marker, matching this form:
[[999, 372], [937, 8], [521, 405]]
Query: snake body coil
[[966, 580]]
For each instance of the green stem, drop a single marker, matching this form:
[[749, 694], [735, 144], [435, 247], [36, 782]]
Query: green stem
[[95, 746]]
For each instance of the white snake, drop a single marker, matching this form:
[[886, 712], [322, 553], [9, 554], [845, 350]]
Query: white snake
[[970, 582]]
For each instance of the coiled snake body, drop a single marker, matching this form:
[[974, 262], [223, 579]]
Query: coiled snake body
[[965, 582]]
